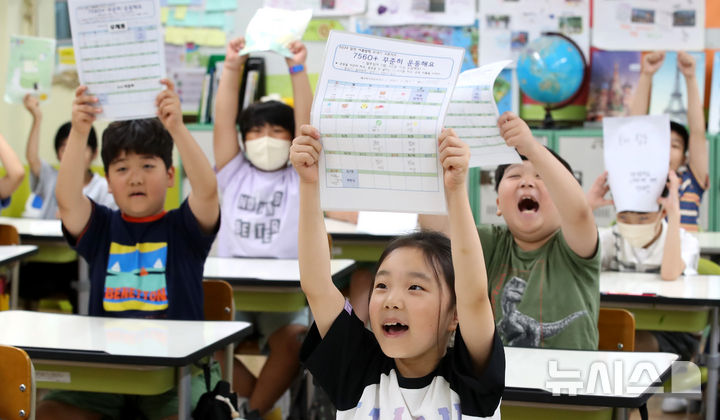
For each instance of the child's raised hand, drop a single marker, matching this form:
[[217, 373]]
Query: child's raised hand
[[686, 64], [299, 52], [516, 133], [305, 153], [651, 62], [455, 157], [33, 105], [233, 60], [671, 203], [84, 110], [596, 195], [168, 106]]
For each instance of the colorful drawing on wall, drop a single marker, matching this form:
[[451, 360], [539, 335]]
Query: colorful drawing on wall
[[613, 79], [459, 36]]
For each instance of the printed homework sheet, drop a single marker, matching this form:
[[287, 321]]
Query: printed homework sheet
[[379, 106], [473, 115], [637, 156], [119, 54]]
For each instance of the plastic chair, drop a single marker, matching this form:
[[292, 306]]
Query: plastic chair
[[219, 303], [707, 267], [17, 384], [616, 328], [9, 236]]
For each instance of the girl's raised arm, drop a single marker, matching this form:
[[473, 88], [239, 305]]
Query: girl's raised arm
[[473, 306], [324, 298]]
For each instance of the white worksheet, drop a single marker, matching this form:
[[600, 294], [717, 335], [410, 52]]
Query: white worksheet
[[120, 54], [379, 106], [637, 158], [273, 29], [473, 115]]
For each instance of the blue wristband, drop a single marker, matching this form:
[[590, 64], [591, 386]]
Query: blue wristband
[[297, 68]]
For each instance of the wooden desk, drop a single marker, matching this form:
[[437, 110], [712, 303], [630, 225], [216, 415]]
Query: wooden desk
[[350, 243], [690, 299], [118, 355], [48, 233], [11, 255]]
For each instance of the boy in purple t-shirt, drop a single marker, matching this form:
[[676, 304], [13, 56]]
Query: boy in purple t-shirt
[[260, 209]]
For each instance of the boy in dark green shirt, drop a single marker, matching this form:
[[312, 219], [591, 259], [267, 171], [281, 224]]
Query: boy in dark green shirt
[[544, 266]]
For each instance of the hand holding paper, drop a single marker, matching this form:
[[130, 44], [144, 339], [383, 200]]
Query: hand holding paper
[[33, 105], [671, 203], [299, 53], [598, 191], [516, 133], [454, 157], [305, 153], [637, 158], [168, 107], [274, 29], [233, 59], [85, 108]]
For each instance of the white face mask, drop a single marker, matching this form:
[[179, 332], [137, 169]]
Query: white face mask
[[638, 235], [268, 153]]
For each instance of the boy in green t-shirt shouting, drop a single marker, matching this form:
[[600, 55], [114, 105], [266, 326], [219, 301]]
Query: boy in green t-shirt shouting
[[543, 267]]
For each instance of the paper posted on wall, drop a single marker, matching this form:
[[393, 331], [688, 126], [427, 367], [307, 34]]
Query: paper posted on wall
[[120, 54], [637, 158], [473, 115], [379, 106], [645, 25]]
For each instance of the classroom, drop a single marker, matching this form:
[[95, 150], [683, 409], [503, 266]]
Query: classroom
[[319, 209]]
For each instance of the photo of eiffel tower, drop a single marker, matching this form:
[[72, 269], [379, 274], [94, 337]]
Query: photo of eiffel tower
[[676, 107]]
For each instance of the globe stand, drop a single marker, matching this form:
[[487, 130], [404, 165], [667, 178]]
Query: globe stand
[[548, 122]]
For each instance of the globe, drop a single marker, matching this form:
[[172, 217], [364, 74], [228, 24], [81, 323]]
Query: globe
[[551, 69]]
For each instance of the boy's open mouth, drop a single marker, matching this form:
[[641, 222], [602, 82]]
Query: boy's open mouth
[[528, 204], [393, 328], [137, 194]]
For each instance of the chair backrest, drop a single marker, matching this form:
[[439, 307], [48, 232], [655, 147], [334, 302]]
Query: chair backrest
[[616, 329], [708, 267], [17, 384], [9, 235], [219, 300]]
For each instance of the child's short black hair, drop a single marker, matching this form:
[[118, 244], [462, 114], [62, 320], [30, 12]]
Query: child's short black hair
[[435, 247], [500, 171], [64, 132], [270, 112], [682, 132], [145, 137]]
